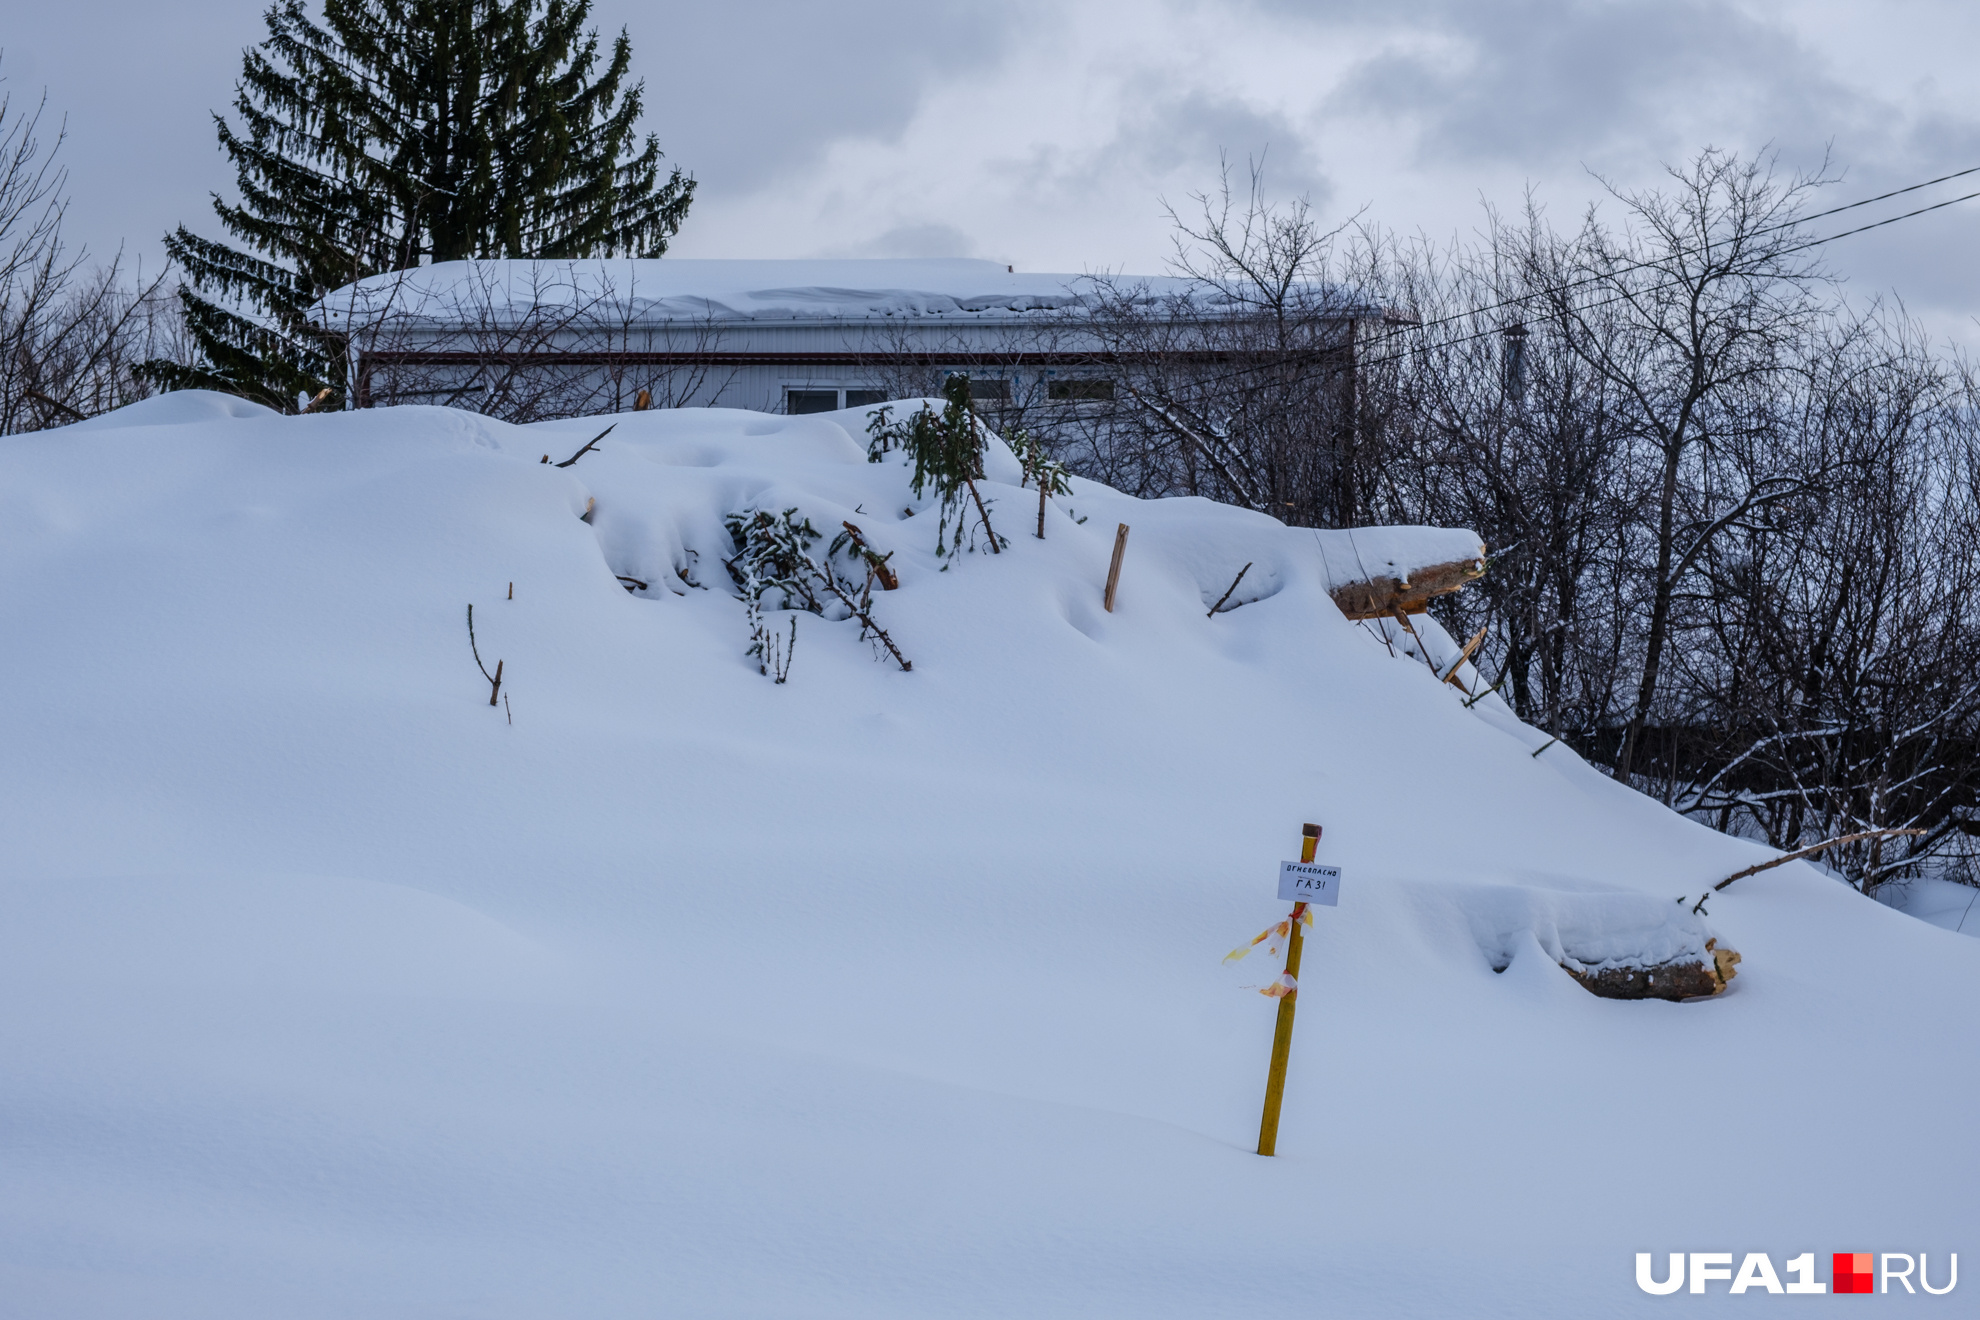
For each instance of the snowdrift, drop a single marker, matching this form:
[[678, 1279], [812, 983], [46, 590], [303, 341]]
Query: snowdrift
[[662, 988]]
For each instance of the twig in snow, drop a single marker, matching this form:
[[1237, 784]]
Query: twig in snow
[[1544, 746], [1227, 592], [1810, 851], [630, 583], [1473, 701], [1382, 637], [587, 447], [494, 679], [1422, 650], [984, 514]]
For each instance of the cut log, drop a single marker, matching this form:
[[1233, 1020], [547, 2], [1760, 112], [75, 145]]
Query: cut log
[[1672, 980], [1381, 597]]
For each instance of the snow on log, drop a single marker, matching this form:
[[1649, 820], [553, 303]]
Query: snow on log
[[1375, 571], [1615, 945], [1691, 979]]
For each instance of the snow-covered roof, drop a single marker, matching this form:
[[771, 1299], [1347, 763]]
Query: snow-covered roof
[[691, 289]]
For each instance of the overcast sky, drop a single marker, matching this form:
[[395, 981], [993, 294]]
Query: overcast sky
[[1047, 135]]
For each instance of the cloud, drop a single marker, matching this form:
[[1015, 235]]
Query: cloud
[[1047, 134], [1544, 81], [916, 240], [741, 94]]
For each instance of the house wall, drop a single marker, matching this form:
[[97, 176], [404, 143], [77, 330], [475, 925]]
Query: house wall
[[749, 365]]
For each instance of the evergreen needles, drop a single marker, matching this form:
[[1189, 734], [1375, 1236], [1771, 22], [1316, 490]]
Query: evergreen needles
[[774, 569], [947, 449], [401, 132]]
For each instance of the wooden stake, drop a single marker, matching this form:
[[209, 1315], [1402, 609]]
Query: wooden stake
[[1275, 1079], [1464, 655], [1114, 569]]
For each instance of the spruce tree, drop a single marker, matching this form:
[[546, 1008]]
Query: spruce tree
[[400, 132]]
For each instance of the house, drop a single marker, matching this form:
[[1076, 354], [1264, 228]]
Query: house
[[531, 339]]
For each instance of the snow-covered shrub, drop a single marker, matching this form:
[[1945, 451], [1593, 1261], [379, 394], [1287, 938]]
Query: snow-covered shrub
[[773, 563]]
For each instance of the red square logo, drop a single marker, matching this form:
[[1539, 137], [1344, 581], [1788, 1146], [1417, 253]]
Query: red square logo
[[1852, 1272]]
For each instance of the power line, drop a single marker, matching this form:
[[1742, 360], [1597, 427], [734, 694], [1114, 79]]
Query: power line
[[1796, 221], [1606, 302], [1570, 286]]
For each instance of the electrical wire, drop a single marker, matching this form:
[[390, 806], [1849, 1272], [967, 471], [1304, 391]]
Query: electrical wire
[[1571, 285], [1361, 362]]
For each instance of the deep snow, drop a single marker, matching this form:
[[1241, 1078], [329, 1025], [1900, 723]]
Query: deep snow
[[326, 990], [717, 292]]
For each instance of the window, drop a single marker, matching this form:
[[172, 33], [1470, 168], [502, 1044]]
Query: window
[[810, 401], [865, 398], [986, 389], [1080, 391]]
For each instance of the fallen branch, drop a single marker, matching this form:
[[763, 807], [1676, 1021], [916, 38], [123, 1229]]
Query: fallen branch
[[39, 397], [630, 583], [315, 405], [1227, 592], [494, 679], [1810, 851], [861, 611], [878, 563], [773, 554], [1422, 649], [587, 447]]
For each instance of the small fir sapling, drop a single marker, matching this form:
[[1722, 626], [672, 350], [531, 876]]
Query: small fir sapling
[[773, 559], [1051, 475], [947, 449]]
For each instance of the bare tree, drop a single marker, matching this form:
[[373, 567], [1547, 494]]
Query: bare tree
[[1734, 526], [69, 334], [1691, 314], [570, 341], [1240, 384]]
